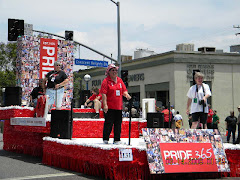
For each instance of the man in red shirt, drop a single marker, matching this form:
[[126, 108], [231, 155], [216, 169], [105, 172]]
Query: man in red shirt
[[112, 90], [166, 118], [209, 118]]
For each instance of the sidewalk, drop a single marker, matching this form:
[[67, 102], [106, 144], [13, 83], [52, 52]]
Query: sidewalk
[[1, 137], [1, 141], [1, 134]]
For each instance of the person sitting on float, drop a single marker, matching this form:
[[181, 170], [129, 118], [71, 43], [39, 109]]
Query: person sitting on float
[[36, 92], [95, 100]]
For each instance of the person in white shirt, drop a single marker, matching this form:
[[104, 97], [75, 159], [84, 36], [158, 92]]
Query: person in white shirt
[[173, 110], [172, 117], [197, 99], [178, 120], [125, 112]]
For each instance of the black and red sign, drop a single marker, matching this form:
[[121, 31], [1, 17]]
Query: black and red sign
[[181, 151]]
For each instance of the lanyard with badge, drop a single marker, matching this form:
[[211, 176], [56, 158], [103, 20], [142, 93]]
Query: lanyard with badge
[[195, 100], [118, 91]]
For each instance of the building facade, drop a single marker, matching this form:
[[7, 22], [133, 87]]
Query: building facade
[[139, 53], [168, 76], [185, 47], [235, 48]]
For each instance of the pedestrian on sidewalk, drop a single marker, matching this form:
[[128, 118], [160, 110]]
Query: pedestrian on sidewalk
[[178, 120], [209, 118], [215, 120], [231, 122], [238, 123]]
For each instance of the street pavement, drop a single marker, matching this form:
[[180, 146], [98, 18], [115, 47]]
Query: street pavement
[[15, 166]]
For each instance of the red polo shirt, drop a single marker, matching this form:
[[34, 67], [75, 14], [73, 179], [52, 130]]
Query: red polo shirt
[[114, 92], [94, 96]]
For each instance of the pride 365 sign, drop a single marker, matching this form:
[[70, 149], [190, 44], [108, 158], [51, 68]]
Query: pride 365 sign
[[181, 151], [48, 55]]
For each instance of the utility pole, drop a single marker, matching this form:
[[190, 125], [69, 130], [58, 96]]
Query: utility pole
[[119, 38]]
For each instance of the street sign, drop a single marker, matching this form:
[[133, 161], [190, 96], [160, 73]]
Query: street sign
[[28, 29], [87, 62]]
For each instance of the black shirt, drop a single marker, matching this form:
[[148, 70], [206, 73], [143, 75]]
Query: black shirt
[[36, 92], [55, 77], [231, 121]]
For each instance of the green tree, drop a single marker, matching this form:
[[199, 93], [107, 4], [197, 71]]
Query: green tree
[[8, 56], [8, 78]]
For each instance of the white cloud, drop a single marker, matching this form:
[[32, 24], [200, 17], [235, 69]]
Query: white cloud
[[154, 24]]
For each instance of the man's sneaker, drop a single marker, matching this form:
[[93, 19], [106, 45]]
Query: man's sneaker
[[236, 142], [119, 143], [105, 141]]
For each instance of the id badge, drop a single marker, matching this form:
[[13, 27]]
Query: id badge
[[117, 92], [195, 100]]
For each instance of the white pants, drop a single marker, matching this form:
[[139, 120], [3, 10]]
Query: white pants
[[55, 96]]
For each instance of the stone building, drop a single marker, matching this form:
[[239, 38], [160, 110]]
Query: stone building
[[168, 76]]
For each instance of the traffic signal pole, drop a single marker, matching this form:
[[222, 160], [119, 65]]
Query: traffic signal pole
[[124, 76], [80, 44]]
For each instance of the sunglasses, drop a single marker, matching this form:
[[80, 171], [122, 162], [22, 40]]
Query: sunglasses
[[113, 70], [58, 65]]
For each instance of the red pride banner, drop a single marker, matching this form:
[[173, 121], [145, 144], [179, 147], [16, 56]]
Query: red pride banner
[[185, 150], [48, 55], [188, 157]]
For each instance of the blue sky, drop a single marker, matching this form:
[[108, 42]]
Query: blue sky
[[157, 25]]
